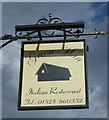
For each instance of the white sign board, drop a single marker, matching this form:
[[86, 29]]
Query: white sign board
[[52, 77]]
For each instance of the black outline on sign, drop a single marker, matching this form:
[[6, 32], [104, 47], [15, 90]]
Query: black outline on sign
[[52, 107]]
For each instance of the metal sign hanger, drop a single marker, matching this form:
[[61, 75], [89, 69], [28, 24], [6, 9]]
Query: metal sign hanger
[[46, 28]]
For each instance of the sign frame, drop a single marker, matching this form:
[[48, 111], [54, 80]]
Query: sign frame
[[86, 106]]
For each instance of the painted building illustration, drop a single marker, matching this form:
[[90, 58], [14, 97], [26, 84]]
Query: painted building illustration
[[49, 72]]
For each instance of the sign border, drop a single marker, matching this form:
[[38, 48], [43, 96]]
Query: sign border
[[53, 107]]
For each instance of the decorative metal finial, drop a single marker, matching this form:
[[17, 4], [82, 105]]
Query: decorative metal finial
[[50, 16]]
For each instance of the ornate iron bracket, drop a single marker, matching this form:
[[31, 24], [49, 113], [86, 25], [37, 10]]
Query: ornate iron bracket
[[51, 27], [48, 27]]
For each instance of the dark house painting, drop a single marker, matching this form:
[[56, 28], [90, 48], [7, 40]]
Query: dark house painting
[[48, 72]]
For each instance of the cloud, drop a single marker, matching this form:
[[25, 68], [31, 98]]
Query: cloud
[[27, 13]]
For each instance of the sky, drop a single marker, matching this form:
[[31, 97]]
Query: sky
[[94, 14]]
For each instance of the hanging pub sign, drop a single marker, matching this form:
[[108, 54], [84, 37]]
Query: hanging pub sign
[[53, 75]]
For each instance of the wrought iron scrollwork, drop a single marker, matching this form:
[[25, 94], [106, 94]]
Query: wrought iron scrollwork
[[45, 28], [53, 30], [49, 21], [96, 32]]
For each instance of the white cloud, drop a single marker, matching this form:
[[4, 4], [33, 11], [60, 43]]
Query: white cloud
[[12, 61], [96, 104]]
